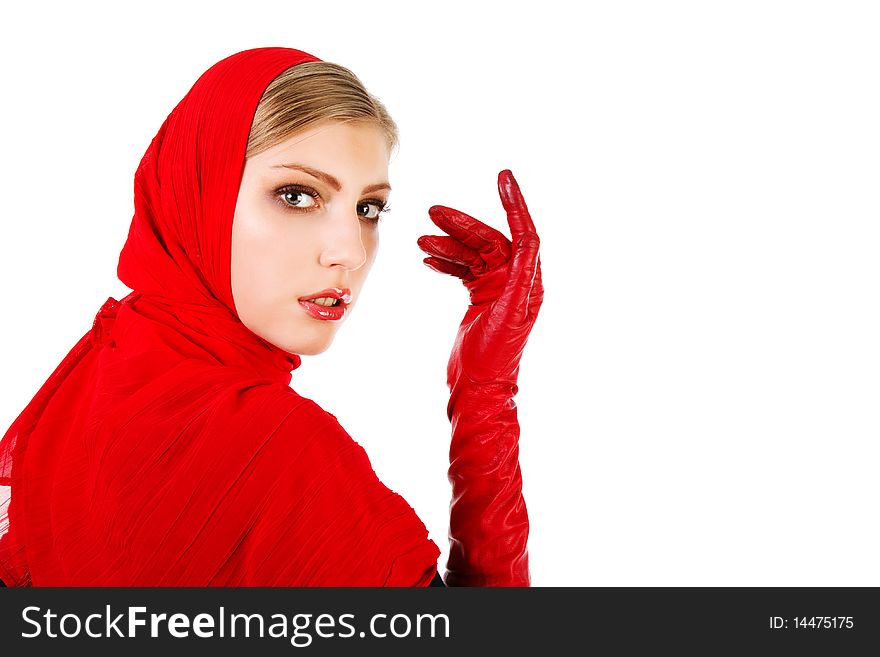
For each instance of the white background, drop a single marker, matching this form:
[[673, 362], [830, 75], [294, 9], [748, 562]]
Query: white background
[[699, 397]]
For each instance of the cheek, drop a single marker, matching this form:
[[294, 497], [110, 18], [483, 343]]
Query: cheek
[[255, 248], [269, 260]]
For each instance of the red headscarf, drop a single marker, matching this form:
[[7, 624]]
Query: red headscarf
[[167, 448]]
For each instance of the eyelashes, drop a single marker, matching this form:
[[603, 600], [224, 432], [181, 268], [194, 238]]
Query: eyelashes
[[293, 191]]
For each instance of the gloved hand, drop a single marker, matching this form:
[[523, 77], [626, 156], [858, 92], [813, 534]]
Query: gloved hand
[[489, 525]]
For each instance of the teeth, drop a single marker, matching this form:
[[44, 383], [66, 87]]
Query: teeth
[[346, 298], [324, 301]]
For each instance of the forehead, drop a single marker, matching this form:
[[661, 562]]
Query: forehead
[[363, 144]]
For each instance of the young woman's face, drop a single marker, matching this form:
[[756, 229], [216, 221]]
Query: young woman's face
[[305, 222]]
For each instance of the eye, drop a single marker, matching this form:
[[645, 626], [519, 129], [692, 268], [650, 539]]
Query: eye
[[292, 196], [373, 209]]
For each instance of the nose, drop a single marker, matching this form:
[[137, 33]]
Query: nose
[[343, 243]]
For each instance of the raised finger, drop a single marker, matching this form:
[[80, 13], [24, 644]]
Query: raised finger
[[518, 217]]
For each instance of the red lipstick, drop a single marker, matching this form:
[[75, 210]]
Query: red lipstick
[[331, 313]]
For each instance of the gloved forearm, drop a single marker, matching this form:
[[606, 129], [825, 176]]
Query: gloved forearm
[[489, 523]]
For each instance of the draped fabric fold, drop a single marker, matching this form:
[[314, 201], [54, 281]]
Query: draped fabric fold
[[167, 448]]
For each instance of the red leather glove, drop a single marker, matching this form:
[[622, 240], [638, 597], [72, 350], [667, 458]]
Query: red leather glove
[[489, 523]]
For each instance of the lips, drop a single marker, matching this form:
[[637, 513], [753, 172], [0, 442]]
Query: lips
[[322, 312]]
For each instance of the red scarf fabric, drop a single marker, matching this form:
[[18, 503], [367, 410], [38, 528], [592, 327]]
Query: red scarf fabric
[[167, 448]]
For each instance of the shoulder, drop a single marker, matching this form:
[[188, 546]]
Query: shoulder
[[308, 421], [328, 513], [304, 440], [323, 442]]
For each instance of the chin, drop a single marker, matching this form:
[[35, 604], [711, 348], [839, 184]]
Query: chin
[[303, 344], [309, 350], [308, 347]]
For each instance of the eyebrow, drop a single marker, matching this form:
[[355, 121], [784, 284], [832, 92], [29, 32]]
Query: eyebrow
[[330, 180]]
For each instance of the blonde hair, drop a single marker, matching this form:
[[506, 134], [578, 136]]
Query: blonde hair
[[310, 93]]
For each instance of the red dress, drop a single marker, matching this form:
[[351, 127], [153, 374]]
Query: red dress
[[167, 448]]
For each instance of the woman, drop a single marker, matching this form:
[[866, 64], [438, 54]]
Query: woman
[[168, 449]]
